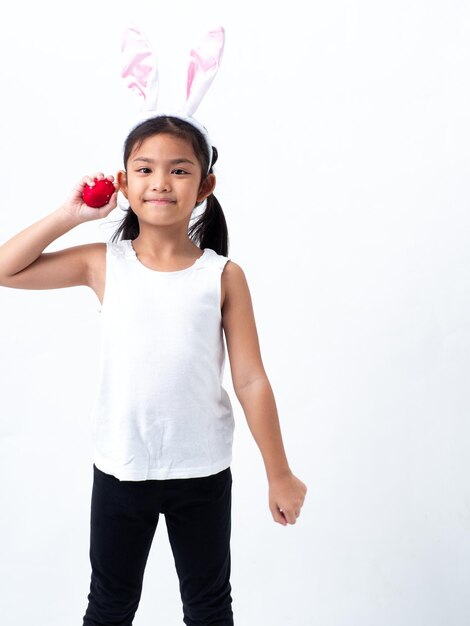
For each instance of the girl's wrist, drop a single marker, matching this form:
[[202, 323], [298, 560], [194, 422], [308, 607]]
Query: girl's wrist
[[278, 473], [68, 219]]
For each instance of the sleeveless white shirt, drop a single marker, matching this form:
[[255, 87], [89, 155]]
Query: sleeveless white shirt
[[160, 410]]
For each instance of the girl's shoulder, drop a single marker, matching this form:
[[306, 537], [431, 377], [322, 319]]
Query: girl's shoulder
[[211, 257], [231, 271], [234, 282], [120, 249]]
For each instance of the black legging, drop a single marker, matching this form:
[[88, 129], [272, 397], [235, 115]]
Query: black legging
[[124, 517]]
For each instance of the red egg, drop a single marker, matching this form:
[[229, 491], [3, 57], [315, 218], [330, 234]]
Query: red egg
[[98, 195]]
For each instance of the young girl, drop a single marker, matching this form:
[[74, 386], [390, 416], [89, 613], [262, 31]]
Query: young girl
[[163, 423]]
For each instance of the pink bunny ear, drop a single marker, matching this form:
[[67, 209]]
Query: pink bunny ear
[[203, 66], [139, 69]]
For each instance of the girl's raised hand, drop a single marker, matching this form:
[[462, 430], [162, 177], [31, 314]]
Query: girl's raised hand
[[79, 210], [286, 497]]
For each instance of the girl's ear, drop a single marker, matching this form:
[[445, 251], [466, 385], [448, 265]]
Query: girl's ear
[[121, 178], [207, 187]]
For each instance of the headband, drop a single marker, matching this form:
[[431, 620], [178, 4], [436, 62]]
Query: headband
[[140, 74]]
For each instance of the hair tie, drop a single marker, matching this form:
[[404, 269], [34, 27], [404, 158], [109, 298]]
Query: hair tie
[[140, 74]]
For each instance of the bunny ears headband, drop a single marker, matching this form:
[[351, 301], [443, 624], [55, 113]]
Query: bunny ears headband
[[140, 74]]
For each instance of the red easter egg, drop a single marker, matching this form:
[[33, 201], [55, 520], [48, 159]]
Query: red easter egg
[[98, 195]]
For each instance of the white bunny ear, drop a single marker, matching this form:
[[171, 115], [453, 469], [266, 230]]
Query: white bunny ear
[[203, 66], [139, 67]]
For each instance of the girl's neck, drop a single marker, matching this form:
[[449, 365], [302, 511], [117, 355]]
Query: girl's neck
[[165, 249]]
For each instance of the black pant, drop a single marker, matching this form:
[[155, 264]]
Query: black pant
[[124, 516]]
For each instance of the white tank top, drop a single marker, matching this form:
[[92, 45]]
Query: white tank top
[[160, 410]]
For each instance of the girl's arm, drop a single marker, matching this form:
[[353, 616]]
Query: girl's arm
[[23, 264], [254, 392]]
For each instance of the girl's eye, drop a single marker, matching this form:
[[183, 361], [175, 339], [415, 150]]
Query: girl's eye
[[147, 170]]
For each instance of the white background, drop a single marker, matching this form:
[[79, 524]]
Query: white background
[[344, 141]]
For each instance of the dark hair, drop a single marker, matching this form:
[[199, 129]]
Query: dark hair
[[209, 229]]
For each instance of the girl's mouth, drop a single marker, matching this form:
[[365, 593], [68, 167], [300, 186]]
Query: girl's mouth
[[161, 202]]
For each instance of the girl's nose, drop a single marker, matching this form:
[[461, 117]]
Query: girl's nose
[[160, 182]]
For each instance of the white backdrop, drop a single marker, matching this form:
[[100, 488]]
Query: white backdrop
[[344, 141]]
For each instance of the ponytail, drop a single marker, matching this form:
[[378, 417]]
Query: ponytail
[[129, 227], [210, 228]]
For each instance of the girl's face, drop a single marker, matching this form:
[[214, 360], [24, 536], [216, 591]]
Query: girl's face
[[163, 180]]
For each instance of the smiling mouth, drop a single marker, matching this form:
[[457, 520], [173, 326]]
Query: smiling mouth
[[160, 202]]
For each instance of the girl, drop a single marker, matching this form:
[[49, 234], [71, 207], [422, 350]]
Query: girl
[[163, 423]]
